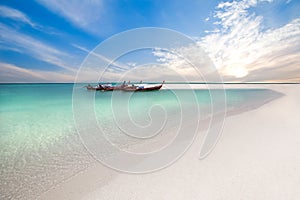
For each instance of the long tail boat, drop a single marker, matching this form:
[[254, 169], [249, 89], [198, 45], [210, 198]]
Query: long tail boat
[[106, 87], [138, 88], [125, 87], [89, 87]]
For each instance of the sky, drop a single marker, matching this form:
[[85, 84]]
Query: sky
[[246, 40]]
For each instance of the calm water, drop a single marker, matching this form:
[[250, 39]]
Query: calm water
[[39, 145]]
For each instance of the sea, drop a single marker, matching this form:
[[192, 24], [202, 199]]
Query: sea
[[41, 143]]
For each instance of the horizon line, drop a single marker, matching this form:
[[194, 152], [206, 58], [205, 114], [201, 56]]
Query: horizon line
[[152, 82]]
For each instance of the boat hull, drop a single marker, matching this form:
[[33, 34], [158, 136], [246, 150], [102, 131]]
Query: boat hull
[[125, 88], [138, 89]]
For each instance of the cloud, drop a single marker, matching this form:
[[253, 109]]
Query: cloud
[[34, 47], [118, 71], [98, 59], [242, 46], [189, 63], [11, 73], [83, 14], [9, 48], [243, 51], [17, 15], [97, 66]]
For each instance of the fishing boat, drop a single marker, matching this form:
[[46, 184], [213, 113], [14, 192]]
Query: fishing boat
[[140, 88], [89, 87], [125, 87], [106, 87]]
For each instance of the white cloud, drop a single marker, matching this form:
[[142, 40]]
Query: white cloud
[[83, 14], [98, 67], [179, 70], [17, 15], [96, 59], [186, 63], [242, 50], [34, 47], [12, 73], [132, 64], [243, 47], [9, 48]]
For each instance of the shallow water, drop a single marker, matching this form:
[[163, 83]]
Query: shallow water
[[39, 144]]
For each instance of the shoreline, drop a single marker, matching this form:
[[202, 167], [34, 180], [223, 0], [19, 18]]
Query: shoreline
[[95, 184]]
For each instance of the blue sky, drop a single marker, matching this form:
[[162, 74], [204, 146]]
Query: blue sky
[[46, 41]]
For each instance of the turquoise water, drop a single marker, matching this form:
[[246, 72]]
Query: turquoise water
[[38, 138], [40, 112]]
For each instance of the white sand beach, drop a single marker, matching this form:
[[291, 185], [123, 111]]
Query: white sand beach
[[257, 157], [150, 100]]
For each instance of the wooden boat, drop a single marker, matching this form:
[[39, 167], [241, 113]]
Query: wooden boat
[[130, 88], [106, 87], [136, 88], [125, 87], [89, 87]]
